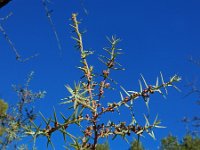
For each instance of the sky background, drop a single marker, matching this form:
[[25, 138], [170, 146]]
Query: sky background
[[156, 36]]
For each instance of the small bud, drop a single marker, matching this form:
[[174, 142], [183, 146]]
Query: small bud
[[98, 105], [102, 109], [101, 92], [114, 104], [56, 124], [145, 95], [110, 64], [105, 73], [126, 99], [145, 91], [149, 86], [151, 91], [134, 95], [107, 130], [107, 85]]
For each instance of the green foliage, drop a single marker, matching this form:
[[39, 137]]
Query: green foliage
[[187, 143], [104, 146], [3, 107], [169, 143], [136, 145], [3, 110]]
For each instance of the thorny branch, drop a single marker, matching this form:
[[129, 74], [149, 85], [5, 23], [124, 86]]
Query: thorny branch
[[19, 117], [85, 100], [86, 68]]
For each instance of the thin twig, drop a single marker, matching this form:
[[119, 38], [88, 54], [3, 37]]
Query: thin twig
[[196, 62], [48, 14], [10, 43], [6, 17], [17, 55], [84, 9]]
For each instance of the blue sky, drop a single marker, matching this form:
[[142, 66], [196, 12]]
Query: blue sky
[[156, 36]]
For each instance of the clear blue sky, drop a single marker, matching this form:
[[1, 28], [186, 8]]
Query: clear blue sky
[[156, 36]]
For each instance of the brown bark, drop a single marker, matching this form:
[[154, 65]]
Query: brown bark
[[4, 2]]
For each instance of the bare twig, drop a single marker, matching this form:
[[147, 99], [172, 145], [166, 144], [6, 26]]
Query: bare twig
[[48, 14], [6, 17], [17, 55], [84, 9], [196, 62], [10, 42]]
